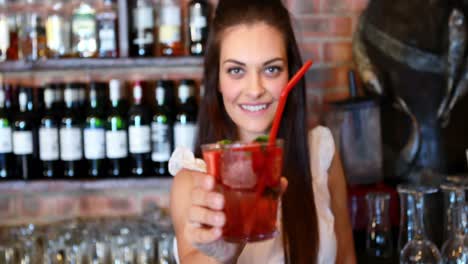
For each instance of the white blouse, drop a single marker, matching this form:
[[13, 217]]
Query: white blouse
[[322, 149]]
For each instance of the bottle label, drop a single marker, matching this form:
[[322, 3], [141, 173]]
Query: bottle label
[[169, 34], [55, 33], [4, 36], [95, 143], [23, 142], [116, 147], [198, 21], [184, 135], [84, 32], [107, 40], [143, 18], [48, 144], [140, 139], [161, 143], [6, 145], [71, 148]]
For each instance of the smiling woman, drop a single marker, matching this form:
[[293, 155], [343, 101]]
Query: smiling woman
[[251, 54]]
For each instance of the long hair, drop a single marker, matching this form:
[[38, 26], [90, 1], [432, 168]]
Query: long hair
[[299, 220]]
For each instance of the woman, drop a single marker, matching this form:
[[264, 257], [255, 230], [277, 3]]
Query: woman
[[251, 54]]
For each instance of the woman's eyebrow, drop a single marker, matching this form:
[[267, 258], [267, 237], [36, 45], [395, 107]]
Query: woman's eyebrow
[[272, 60], [234, 61], [243, 64]]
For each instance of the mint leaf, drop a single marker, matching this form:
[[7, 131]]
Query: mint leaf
[[225, 142], [261, 139]]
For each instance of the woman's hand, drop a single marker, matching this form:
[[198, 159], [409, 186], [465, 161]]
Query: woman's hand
[[206, 220]]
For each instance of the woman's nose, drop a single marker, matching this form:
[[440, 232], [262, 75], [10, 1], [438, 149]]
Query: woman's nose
[[255, 87]]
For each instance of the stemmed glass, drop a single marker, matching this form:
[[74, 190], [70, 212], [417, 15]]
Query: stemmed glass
[[418, 249], [454, 250], [454, 196], [379, 245]]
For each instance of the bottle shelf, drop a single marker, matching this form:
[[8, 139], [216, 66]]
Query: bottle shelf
[[160, 63], [44, 186], [85, 70]]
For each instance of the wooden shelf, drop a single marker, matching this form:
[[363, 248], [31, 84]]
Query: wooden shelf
[[85, 70], [84, 185], [88, 64]]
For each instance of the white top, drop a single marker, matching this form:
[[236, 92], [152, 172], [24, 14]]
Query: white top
[[322, 149]]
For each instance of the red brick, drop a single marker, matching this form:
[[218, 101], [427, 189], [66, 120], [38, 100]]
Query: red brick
[[359, 5], [327, 77], [303, 7], [336, 94], [338, 51], [7, 208], [312, 50], [321, 26], [337, 6], [158, 200]]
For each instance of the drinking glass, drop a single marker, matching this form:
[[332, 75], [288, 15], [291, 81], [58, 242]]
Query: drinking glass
[[248, 175], [454, 195], [418, 249], [379, 245], [454, 250]]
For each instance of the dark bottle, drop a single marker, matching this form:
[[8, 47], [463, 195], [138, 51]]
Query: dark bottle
[[49, 138], [139, 133], [58, 31], [161, 130], [59, 104], [13, 49], [71, 138], [95, 132], [199, 16], [185, 126], [170, 29], [107, 30], [116, 134], [6, 142], [142, 33], [24, 136]]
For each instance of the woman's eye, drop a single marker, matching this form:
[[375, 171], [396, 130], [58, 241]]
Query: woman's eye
[[273, 70], [235, 71]]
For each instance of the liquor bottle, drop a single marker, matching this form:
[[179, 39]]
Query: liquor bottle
[[108, 30], [170, 29], [81, 89], [116, 134], [33, 40], [95, 133], [23, 136], [13, 49], [199, 16], [71, 139], [84, 30], [139, 132], [59, 104], [161, 131], [49, 138], [4, 31], [185, 126], [58, 31], [142, 36], [6, 142]]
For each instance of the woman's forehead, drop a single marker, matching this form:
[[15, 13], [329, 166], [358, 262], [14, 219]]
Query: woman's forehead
[[252, 42]]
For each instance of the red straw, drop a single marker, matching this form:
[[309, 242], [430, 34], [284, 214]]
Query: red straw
[[282, 101]]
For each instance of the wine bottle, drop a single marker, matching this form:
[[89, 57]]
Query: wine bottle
[[185, 126], [6, 142], [161, 131], [139, 131], [108, 30], [49, 138], [23, 136], [199, 16], [71, 139], [116, 133], [95, 133], [142, 32]]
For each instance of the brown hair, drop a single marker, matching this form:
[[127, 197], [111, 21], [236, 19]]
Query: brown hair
[[300, 234]]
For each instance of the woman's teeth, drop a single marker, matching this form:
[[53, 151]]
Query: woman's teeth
[[254, 108]]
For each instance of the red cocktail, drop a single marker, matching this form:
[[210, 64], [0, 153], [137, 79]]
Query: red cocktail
[[248, 175]]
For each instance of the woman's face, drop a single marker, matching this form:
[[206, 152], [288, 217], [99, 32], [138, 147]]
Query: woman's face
[[253, 72]]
